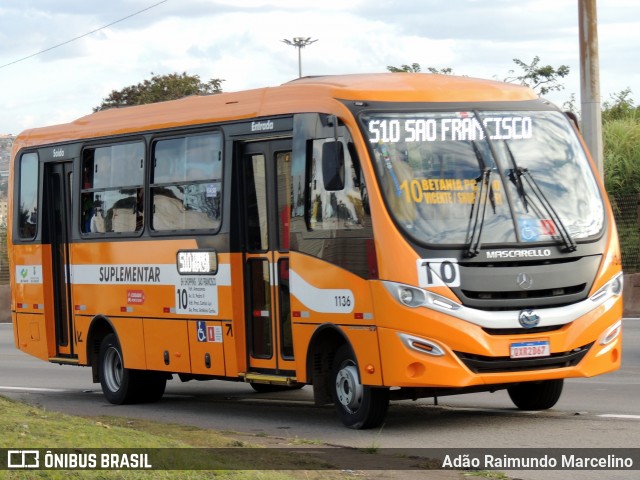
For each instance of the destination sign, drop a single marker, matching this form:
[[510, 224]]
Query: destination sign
[[463, 128], [197, 261]]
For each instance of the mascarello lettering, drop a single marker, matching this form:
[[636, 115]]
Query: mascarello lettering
[[527, 253]]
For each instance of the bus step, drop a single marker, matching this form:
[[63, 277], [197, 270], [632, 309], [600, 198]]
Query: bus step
[[269, 379], [64, 360]]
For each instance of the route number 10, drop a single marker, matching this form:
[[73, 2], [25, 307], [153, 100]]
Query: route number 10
[[438, 272]]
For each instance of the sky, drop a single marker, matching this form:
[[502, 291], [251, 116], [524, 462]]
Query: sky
[[240, 41]]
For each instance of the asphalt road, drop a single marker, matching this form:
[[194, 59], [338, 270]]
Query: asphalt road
[[598, 412]]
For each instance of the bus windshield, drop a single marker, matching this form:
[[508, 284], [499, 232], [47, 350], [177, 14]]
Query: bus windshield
[[520, 177]]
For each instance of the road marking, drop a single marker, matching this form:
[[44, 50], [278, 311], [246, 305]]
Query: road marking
[[31, 389], [613, 415], [536, 412]]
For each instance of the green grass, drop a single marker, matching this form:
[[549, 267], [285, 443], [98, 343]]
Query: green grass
[[621, 145], [621, 139], [487, 474], [28, 427]]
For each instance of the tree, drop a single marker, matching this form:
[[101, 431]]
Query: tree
[[416, 68], [620, 107], [413, 68], [159, 89], [543, 79]]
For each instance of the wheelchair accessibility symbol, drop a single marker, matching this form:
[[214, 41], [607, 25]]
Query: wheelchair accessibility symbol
[[529, 230], [202, 331]]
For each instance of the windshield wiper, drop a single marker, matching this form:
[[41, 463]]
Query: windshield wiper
[[516, 178], [569, 244], [476, 220], [483, 167]]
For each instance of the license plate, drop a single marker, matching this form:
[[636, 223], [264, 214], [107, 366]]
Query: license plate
[[530, 349]]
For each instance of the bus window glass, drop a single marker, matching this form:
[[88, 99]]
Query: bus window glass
[[335, 210], [186, 184], [256, 203], [112, 188], [430, 167], [285, 196], [28, 196], [261, 318], [117, 165]]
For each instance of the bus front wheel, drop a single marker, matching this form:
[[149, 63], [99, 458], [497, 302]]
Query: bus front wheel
[[536, 395], [122, 385], [358, 406]]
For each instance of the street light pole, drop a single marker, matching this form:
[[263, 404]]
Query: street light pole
[[299, 43], [590, 80]]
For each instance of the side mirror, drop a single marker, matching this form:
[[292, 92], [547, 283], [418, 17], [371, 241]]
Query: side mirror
[[333, 166], [573, 117]]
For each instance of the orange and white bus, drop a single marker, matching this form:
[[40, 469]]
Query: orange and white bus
[[378, 237]]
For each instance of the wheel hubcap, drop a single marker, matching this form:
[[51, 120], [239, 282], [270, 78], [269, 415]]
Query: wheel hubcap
[[348, 388], [113, 369]]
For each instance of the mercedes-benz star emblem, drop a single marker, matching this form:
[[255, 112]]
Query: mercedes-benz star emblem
[[528, 318], [524, 281]]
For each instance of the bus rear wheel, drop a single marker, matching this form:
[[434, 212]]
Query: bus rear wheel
[[536, 395], [122, 385], [358, 406]]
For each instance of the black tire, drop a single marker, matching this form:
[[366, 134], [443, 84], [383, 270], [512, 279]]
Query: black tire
[[152, 386], [122, 385], [536, 395], [268, 387], [358, 406]]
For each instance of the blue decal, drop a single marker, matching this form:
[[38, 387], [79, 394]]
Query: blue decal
[[529, 230], [202, 331]]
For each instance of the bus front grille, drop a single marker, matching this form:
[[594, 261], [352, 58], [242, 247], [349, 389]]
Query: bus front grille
[[526, 294], [483, 364]]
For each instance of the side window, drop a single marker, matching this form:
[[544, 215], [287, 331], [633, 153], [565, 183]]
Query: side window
[[113, 188], [186, 183], [28, 196], [335, 210], [285, 196]]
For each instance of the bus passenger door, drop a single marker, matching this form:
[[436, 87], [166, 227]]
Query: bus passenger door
[[57, 212], [267, 206]]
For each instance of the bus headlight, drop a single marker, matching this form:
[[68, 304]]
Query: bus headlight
[[613, 288], [408, 296], [414, 297]]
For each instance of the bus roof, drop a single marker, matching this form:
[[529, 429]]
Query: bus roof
[[307, 94]]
